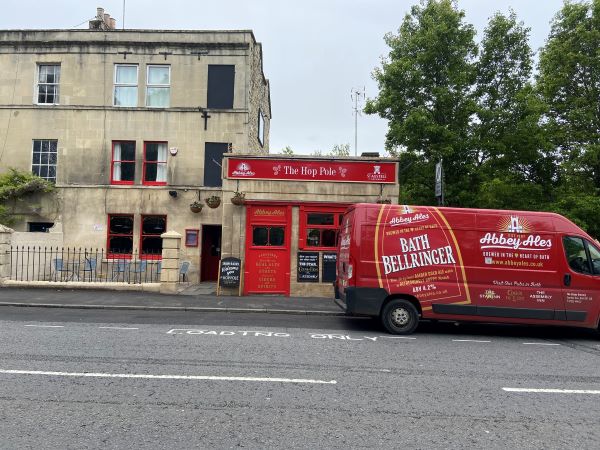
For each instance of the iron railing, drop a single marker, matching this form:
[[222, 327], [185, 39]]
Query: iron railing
[[30, 263]]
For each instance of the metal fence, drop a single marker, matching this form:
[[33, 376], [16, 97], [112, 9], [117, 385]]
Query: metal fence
[[82, 264]]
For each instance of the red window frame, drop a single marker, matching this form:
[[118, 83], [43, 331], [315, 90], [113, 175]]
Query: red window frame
[[142, 235], [109, 254], [146, 162], [337, 212], [112, 164], [268, 226]]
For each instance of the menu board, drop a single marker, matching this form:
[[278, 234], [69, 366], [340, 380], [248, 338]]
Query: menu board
[[230, 272], [329, 263], [308, 267]]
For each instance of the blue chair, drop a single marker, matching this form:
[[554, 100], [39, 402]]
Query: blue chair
[[60, 267], [183, 270], [139, 267], [90, 268], [121, 267]]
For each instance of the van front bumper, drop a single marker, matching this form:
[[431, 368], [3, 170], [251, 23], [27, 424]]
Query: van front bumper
[[361, 301]]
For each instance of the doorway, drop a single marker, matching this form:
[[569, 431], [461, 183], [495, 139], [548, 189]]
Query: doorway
[[211, 252]]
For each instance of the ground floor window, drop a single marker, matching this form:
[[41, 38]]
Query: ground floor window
[[268, 236], [150, 240], [39, 227], [120, 235], [319, 227]]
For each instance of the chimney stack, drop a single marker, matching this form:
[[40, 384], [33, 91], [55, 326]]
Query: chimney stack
[[103, 21]]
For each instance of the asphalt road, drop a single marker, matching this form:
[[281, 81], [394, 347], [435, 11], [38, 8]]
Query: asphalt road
[[129, 379]]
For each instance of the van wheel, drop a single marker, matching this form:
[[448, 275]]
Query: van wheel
[[399, 317]]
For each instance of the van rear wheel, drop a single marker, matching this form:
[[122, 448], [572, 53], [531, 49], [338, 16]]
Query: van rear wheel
[[399, 317]]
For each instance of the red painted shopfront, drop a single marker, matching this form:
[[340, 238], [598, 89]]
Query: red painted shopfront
[[281, 258], [268, 231]]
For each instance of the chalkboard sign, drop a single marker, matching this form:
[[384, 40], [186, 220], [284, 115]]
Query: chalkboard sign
[[230, 272], [329, 262], [308, 267]]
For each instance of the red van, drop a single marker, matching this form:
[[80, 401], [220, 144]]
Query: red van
[[402, 263]]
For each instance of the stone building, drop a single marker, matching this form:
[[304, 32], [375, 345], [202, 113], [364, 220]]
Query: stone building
[[133, 126]]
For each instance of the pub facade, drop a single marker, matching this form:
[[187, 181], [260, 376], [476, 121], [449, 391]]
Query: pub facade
[[285, 232]]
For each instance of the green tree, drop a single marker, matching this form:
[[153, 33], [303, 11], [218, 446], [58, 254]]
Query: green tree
[[425, 93], [569, 82], [340, 150], [16, 186], [515, 166], [287, 151]]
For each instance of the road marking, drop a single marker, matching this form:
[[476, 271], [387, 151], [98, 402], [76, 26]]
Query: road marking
[[538, 343], [165, 377], [46, 326], [119, 328], [468, 340], [397, 337], [553, 391]]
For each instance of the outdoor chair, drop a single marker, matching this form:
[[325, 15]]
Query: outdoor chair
[[90, 268], [60, 267], [139, 267], [158, 269], [120, 268], [183, 270]]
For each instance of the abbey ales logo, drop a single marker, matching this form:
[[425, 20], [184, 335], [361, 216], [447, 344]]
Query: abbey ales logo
[[243, 169], [514, 233], [408, 216]]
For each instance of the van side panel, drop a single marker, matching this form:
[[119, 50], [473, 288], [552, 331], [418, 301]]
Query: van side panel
[[466, 264]]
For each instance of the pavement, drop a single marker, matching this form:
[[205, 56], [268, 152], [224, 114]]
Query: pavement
[[190, 298]]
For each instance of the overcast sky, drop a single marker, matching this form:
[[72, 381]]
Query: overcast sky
[[315, 51]]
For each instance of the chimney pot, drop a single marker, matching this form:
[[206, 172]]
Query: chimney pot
[[113, 23], [99, 13], [106, 18]]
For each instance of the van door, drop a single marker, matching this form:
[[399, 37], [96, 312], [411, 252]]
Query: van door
[[581, 280]]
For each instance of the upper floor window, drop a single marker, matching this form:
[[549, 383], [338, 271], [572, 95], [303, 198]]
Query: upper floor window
[[155, 163], [158, 86], [48, 83], [126, 80], [123, 162], [213, 161], [221, 81], [261, 128], [44, 159]]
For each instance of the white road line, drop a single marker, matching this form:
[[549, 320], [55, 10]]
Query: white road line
[[553, 391], [468, 340], [164, 377], [538, 343], [46, 326], [397, 337], [119, 328]]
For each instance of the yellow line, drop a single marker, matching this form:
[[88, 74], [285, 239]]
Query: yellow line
[[377, 245], [460, 260]]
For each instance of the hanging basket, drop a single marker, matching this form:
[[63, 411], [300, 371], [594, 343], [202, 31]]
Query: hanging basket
[[238, 199], [196, 207], [213, 201]]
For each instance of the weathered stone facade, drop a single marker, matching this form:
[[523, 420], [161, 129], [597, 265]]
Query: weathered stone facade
[[85, 123]]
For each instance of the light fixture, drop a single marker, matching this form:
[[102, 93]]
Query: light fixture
[[173, 194]]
